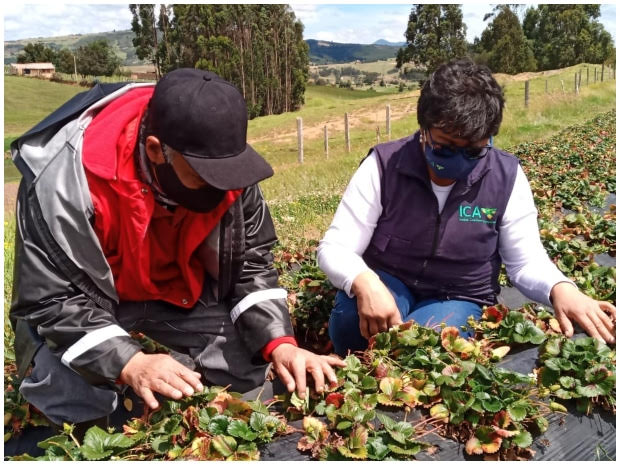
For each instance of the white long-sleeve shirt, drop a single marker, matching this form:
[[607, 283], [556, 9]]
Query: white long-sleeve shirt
[[527, 263]]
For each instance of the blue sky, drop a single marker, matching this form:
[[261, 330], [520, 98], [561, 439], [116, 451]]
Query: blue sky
[[349, 23]]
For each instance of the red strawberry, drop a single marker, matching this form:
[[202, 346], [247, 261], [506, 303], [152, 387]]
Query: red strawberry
[[381, 371], [334, 398]]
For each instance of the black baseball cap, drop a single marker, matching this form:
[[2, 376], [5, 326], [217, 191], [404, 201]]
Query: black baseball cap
[[204, 117]]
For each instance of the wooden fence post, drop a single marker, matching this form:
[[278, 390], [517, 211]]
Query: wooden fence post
[[546, 86], [602, 72], [347, 139], [300, 140], [326, 141], [580, 79], [562, 82], [576, 85], [588, 76], [595, 75], [527, 93], [388, 125]]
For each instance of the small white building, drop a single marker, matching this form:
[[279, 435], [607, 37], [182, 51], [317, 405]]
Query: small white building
[[44, 70]]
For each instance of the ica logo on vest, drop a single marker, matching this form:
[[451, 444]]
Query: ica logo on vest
[[476, 214]]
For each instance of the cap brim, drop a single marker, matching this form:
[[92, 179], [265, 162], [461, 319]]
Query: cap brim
[[236, 172]]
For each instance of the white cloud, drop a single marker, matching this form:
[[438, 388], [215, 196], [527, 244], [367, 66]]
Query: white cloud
[[54, 19], [472, 17], [326, 35], [354, 23], [608, 19], [306, 13]]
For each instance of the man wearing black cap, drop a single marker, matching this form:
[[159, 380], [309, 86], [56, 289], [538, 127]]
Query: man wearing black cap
[[139, 210]]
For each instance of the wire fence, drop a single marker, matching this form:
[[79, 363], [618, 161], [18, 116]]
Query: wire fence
[[564, 83]]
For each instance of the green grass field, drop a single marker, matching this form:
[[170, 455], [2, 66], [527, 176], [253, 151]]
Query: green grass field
[[27, 101]]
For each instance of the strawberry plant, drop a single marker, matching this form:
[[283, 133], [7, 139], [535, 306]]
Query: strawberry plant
[[212, 425], [354, 429], [598, 231], [530, 324], [452, 379], [574, 168], [583, 369]]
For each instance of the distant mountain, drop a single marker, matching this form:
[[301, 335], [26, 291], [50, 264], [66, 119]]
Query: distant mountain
[[387, 42], [323, 52]]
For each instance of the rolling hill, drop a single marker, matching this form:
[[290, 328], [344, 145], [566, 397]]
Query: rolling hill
[[120, 40], [321, 52]]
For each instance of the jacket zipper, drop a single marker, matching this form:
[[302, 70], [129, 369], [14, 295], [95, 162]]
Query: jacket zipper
[[436, 233], [433, 248]]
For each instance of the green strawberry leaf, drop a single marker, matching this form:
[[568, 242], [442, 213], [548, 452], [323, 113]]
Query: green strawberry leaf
[[240, 429], [224, 445], [523, 439], [369, 383], [377, 449], [401, 432], [161, 444], [568, 382], [344, 425], [590, 390], [492, 405], [409, 451], [218, 424], [99, 444], [518, 410]]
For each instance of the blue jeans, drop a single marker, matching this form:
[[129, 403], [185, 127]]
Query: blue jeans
[[344, 323]]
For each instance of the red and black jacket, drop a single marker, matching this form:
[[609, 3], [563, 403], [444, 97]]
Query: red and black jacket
[[63, 289]]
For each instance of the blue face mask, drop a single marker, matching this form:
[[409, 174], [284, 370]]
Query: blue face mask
[[454, 162]]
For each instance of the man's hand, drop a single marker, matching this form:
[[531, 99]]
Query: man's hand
[[597, 318], [150, 373], [375, 304], [291, 364]]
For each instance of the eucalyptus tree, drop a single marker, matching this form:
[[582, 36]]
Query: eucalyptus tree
[[568, 34], [260, 48], [503, 45], [435, 34]]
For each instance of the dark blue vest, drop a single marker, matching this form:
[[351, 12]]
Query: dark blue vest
[[449, 256]]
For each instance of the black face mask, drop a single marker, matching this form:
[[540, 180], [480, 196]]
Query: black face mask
[[199, 200]]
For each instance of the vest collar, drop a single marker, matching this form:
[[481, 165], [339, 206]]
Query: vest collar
[[411, 162]]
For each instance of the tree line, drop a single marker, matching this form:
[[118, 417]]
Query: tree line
[[549, 37], [94, 59], [260, 48]]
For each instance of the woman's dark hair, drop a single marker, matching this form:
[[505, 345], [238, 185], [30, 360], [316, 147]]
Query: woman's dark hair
[[462, 99]]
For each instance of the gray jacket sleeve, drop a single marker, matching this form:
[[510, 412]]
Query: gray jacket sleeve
[[259, 310], [61, 304]]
